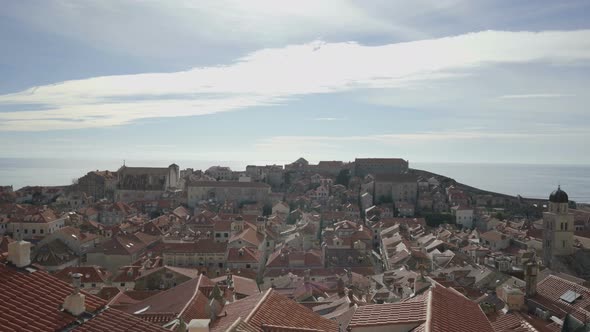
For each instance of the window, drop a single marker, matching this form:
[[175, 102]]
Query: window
[[41, 231], [248, 266], [34, 231], [566, 226], [122, 284], [225, 235], [26, 231], [81, 285], [217, 235], [93, 285], [561, 226]]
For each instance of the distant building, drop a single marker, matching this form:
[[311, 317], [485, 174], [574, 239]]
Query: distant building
[[330, 167], [221, 191], [364, 166], [396, 188], [220, 173], [558, 226], [98, 184], [145, 183], [463, 215]]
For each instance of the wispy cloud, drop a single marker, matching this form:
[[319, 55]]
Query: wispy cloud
[[329, 119], [272, 76], [537, 95]]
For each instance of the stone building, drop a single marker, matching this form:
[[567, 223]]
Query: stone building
[[396, 188], [364, 166], [221, 191], [558, 226], [98, 184], [145, 183]]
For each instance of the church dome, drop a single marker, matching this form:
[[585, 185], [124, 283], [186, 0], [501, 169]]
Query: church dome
[[558, 196]]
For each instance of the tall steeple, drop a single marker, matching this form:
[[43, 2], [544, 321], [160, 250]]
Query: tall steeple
[[558, 224]]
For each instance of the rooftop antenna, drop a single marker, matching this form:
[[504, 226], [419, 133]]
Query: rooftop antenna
[[19, 236], [123, 162]]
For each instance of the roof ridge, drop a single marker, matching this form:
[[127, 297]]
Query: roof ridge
[[428, 322], [192, 297], [258, 305], [562, 279]]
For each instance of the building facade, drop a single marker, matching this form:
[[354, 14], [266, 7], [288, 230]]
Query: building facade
[[221, 191]]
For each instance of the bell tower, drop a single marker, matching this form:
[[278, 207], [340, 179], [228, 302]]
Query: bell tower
[[558, 228]]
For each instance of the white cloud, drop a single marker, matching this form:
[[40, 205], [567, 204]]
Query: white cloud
[[537, 95], [272, 76]]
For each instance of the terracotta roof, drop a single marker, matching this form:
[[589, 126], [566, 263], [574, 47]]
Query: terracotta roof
[[127, 274], [31, 300], [53, 254], [90, 274], [550, 290], [199, 246], [113, 320], [244, 254], [125, 244], [242, 285], [230, 184], [451, 311], [270, 309], [77, 234], [249, 235], [512, 322], [185, 299], [187, 272], [493, 235], [388, 314], [440, 309], [222, 225]]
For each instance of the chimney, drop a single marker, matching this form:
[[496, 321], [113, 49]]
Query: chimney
[[75, 302], [530, 278], [198, 325], [19, 253], [340, 287]]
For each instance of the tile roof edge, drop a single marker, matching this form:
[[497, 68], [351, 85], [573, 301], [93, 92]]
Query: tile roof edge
[[247, 319], [116, 297], [235, 324], [192, 297], [428, 322]]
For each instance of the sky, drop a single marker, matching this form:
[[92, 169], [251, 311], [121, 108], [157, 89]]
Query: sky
[[270, 81]]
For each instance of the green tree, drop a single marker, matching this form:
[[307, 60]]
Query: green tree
[[343, 177], [266, 209]]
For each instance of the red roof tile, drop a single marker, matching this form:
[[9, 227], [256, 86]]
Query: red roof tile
[[549, 291], [270, 309], [90, 274], [31, 300], [113, 320], [390, 313]]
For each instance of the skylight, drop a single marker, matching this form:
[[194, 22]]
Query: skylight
[[570, 296]]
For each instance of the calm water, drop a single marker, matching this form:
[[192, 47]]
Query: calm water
[[535, 181], [527, 180]]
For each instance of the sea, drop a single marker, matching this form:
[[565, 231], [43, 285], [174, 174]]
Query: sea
[[527, 180]]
